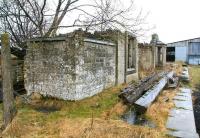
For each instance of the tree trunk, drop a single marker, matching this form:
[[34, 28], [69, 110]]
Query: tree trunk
[[8, 98]]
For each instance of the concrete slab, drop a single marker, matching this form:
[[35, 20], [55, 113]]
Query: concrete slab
[[181, 98], [183, 134], [183, 105], [183, 101], [181, 122]]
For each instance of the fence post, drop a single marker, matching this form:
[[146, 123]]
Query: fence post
[[8, 97]]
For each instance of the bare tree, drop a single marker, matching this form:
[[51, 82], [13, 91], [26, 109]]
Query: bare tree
[[25, 19], [114, 14], [28, 18]]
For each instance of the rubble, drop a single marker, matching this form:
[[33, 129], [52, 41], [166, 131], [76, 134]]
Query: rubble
[[185, 75], [131, 93]]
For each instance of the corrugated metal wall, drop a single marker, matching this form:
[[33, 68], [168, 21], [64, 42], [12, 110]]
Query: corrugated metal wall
[[181, 53], [194, 53], [194, 60], [187, 51], [180, 50]]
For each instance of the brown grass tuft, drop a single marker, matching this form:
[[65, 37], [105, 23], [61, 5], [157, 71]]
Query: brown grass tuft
[[116, 111], [103, 129]]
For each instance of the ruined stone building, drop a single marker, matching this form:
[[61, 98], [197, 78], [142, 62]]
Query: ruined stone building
[[76, 66], [152, 55]]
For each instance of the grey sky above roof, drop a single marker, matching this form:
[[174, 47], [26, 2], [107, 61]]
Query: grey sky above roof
[[174, 20]]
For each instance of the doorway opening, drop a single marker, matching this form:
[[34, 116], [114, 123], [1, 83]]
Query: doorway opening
[[170, 54]]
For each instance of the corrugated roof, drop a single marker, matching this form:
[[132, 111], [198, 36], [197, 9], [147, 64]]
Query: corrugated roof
[[184, 40]]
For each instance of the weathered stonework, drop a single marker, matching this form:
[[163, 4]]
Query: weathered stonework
[[70, 69], [146, 57], [95, 70], [76, 67], [127, 45], [151, 55]]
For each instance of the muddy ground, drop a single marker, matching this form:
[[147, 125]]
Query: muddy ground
[[195, 85], [196, 106]]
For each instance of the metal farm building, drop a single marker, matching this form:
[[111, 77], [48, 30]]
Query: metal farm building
[[186, 50]]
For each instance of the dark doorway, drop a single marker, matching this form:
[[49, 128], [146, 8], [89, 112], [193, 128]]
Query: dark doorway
[[170, 54]]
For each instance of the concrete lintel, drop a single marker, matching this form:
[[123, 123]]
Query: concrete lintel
[[99, 42]]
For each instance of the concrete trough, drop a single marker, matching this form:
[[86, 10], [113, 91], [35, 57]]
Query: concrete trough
[[181, 122], [145, 101]]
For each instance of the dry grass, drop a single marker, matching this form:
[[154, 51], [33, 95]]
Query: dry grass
[[176, 67], [115, 112], [98, 128], [195, 76], [81, 128], [95, 117], [89, 118], [159, 110], [145, 72], [105, 105]]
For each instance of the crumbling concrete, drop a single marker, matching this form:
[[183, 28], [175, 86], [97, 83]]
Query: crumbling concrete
[[145, 101]]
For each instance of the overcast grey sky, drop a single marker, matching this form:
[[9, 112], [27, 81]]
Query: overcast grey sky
[[174, 19]]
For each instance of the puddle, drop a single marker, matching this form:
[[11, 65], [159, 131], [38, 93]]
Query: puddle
[[133, 118], [45, 109]]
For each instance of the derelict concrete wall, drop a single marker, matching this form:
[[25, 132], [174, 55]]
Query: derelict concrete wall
[[50, 69], [96, 69], [71, 69], [132, 75], [146, 57]]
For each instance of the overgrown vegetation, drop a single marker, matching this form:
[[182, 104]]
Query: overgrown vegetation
[[39, 113], [195, 76], [97, 116], [158, 112]]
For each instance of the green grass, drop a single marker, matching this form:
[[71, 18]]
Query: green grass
[[1, 113], [87, 108], [194, 72], [195, 76], [40, 123]]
